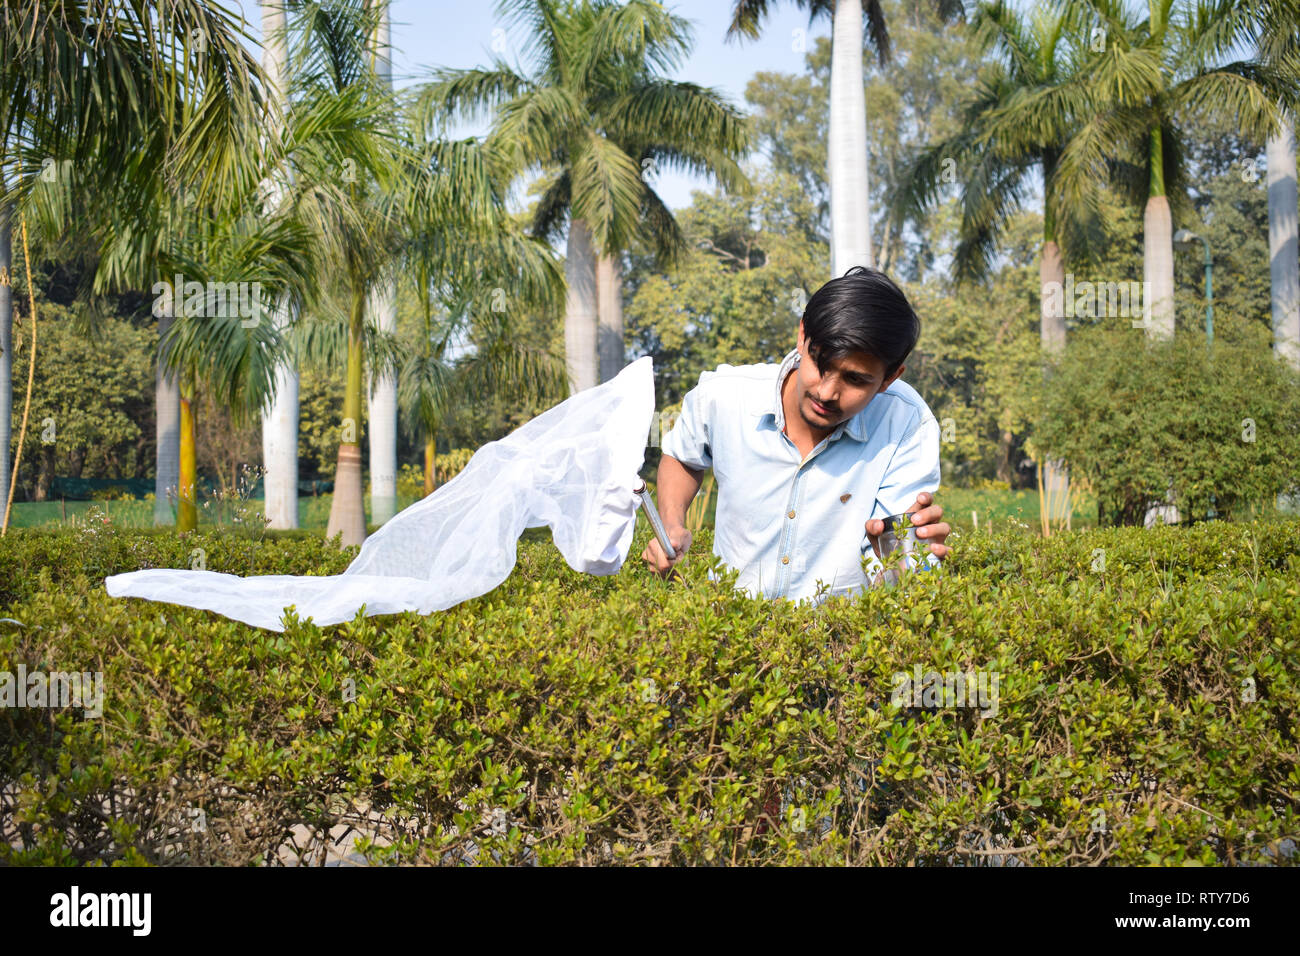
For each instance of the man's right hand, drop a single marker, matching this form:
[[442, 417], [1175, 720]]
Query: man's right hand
[[654, 553]]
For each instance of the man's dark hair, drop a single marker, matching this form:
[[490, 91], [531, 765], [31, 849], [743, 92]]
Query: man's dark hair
[[861, 311]]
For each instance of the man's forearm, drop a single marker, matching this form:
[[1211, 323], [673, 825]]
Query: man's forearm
[[677, 486]]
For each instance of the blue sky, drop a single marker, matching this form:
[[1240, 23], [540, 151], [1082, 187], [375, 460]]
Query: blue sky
[[462, 34]]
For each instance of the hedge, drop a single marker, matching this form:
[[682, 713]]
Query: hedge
[[1146, 712]]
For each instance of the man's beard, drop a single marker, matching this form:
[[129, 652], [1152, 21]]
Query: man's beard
[[831, 421]]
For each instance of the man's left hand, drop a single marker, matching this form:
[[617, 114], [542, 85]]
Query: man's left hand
[[926, 519]]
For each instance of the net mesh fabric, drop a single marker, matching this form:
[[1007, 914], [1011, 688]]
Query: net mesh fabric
[[572, 468]]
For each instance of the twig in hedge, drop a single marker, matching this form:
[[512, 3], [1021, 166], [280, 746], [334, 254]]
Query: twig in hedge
[[1191, 806]]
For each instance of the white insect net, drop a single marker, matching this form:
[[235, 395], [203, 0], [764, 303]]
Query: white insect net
[[572, 468]]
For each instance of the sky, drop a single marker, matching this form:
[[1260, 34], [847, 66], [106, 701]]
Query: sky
[[467, 33]]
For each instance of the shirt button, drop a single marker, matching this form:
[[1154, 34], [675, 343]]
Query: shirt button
[[786, 559], [790, 515]]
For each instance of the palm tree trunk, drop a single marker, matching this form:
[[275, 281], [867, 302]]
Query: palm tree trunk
[[280, 440], [187, 511], [1051, 274], [1055, 481], [1005, 469], [383, 417], [609, 291], [167, 411], [6, 348], [580, 308], [347, 510], [280, 424], [1284, 244], [886, 246], [383, 399], [847, 153], [1158, 250], [430, 465], [1158, 268]]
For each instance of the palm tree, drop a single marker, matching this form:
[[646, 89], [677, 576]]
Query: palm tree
[[1018, 123], [383, 392], [1019, 120], [232, 352], [280, 423], [371, 182], [594, 113], [847, 132], [1173, 63], [214, 261], [1278, 45], [345, 159], [149, 90], [464, 276], [1283, 242]]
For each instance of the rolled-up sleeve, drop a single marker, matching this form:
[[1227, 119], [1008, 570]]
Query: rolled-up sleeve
[[913, 469], [691, 438]]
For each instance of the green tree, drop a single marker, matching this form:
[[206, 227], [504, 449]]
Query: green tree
[[737, 295], [1018, 121], [236, 261], [1230, 201], [1219, 426], [90, 401], [1158, 73], [149, 90], [594, 113], [848, 162], [362, 190]]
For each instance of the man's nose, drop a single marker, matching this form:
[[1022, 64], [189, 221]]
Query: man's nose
[[828, 390]]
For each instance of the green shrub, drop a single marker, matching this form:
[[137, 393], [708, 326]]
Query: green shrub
[[1217, 428], [1146, 711]]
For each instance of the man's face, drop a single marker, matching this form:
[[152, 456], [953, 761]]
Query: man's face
[[845, 387]]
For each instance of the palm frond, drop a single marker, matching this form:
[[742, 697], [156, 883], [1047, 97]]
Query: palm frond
[[607, 190]]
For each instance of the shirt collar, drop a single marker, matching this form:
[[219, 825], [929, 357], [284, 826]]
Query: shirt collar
[[775, 413]]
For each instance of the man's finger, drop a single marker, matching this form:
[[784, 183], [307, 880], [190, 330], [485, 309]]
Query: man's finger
[[938, 530], [926, 516], [655, 556]]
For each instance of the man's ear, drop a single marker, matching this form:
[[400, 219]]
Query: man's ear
[[893, 378]]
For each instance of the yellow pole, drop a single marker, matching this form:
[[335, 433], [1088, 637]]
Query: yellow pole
[[187, 517], [31, 375]]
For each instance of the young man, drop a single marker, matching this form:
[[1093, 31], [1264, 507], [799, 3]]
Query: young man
[[810, 455]]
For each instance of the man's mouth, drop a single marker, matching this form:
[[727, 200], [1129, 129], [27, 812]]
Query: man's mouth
[[820, 409]]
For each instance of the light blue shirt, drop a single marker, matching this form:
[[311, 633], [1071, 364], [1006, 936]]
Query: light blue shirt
[[787, 522]]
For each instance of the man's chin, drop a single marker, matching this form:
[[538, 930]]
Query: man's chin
[[815, 420]]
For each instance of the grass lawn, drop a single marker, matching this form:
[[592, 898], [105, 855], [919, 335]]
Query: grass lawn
[[313, 512], [964, 509]]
